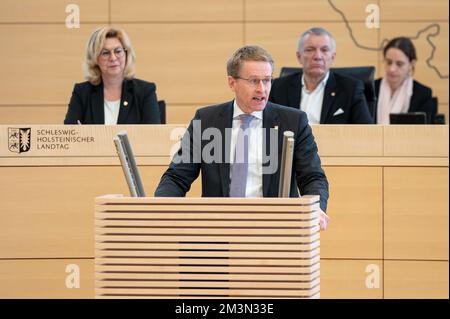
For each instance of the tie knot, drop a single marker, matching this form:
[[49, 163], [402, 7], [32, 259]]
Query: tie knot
[[245, 120]]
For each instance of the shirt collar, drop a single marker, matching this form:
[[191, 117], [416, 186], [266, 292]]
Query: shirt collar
[[321, 84], [237, 111]]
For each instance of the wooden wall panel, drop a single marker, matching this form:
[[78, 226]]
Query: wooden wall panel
[[181, 114], [54, 11], [187, 61], [33, 114], [62, 207], [352, 279], [429, 10], [337, 140], [45, 278], [416, 213], [423, 141], [416, 279], [355, 209], [176, 10], [304, 10], [280, 39], [31, 75]]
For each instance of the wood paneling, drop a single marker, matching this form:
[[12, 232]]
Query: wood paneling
[[54, 11], [177, 10], [181, 114], [237, 272], [416, 279], [355, 210], [338, 140], [67, 141], [429, 10], [183, 67], [49, 203], [32, 114], [353, 279], [421, 141], [303, 10], [43, 64], [45, 278], [416, 213]]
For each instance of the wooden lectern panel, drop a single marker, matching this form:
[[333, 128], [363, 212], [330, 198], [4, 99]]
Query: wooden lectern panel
[[207, 247]]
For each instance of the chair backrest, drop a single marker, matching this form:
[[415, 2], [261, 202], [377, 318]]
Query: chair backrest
[[433, 110], [162, 111], [364, 73]]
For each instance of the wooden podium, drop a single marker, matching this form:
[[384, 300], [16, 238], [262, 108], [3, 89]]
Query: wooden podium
[[207, 247]]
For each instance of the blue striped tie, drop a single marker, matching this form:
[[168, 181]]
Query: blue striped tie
[[239, 169]]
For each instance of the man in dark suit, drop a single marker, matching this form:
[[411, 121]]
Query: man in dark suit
[[327, 97], [234, 132]]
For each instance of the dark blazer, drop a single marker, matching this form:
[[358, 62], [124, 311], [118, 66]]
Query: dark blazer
[[307, 173], [421, 99], [341, 92], [87, 104]]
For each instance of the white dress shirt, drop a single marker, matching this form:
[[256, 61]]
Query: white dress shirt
[[254, 177], [111, 112], [312, 101]]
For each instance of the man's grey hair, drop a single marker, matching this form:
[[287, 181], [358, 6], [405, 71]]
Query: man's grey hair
[[247, 53], [318, 32]]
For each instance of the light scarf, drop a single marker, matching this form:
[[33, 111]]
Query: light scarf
[[393, 103]]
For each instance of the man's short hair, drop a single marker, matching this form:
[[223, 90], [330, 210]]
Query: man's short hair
[[318, 32], [247, 53]]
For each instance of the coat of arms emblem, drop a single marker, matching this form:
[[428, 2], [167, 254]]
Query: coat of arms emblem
[[19, 139]]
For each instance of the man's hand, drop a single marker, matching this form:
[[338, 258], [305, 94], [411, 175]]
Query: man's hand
[[323, 220]]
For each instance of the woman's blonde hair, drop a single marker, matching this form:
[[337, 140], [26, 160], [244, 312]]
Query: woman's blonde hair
[[94, 46]]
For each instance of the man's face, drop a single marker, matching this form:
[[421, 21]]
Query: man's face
[[317, 55], [252, 87]]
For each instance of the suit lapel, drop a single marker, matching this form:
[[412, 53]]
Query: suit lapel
[[126, 101], [328, 98], [295, 91], [224, 121], [270, 120], [97, 105]]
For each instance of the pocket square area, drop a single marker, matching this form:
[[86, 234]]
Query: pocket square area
[[339, 111]]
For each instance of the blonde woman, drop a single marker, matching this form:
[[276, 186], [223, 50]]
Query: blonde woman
[[111, 95]]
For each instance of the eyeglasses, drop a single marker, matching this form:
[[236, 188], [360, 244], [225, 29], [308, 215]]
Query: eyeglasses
[[118, 53], [255, 81]]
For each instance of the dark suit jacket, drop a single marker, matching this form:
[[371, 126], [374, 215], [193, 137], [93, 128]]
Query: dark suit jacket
[[307, 173], [341, 92], [87, 104], [421, 99]]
